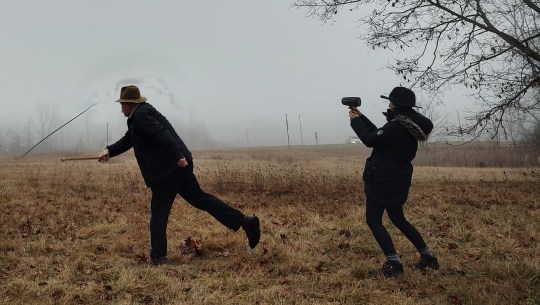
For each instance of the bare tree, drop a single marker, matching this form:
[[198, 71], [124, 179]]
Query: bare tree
[[16, 146], [532, 134], [491, 47], [535, 137], [44, 124], [514, 128], [429, 110], [28, 139]]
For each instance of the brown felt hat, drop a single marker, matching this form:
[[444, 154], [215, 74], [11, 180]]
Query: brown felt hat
[[131, 94]]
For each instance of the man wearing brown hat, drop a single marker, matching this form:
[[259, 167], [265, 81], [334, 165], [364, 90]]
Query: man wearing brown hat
[[166, 165], [388, 173]]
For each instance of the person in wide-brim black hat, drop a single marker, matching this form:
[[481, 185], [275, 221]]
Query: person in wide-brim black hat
[[402, 97], [388, 173]]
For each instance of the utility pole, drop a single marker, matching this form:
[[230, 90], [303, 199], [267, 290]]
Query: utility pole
[[459, 122], [316, 139], [247, 135], [107, 135], [87, 131], [301, 136], [287, 124]]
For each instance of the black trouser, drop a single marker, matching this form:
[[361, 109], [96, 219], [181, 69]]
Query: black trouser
[[184, 183], [374, 214]]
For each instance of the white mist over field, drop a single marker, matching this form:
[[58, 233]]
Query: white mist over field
[[226, 73]]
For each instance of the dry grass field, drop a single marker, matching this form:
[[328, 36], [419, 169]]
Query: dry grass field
[[77, 233]]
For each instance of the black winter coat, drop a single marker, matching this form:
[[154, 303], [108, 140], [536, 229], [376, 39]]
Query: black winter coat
[[156, 144], [388, 171]]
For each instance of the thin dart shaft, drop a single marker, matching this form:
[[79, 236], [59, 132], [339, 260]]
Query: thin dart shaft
[[79, 158]]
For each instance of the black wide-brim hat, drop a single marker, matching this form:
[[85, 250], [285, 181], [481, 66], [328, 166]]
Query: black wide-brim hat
[[402, 96]]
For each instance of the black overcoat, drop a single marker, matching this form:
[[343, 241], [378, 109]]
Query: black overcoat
[[388, 171], [157, 146]]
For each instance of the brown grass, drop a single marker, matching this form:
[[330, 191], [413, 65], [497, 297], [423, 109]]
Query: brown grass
[[77, 233]]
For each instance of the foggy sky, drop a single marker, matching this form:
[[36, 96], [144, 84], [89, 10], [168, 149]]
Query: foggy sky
[[230, 69]]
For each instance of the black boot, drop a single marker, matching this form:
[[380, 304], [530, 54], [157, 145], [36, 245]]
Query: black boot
[[388, 269], [427, 261], [252, 228], [156, 262]]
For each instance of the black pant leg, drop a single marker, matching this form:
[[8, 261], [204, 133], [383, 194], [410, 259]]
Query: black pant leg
[[397, 217], [374, 214], [163, 196], [191, 191]]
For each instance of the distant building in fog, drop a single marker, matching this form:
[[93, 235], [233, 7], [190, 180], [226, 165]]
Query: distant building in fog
[[353, 140]]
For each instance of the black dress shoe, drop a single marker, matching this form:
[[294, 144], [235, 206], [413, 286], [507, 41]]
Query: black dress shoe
[[252, 228]]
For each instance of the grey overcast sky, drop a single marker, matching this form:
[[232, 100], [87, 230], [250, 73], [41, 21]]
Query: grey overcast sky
[[233, 67]]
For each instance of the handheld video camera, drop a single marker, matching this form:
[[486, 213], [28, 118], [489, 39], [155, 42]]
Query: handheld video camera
[[352, 102]]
